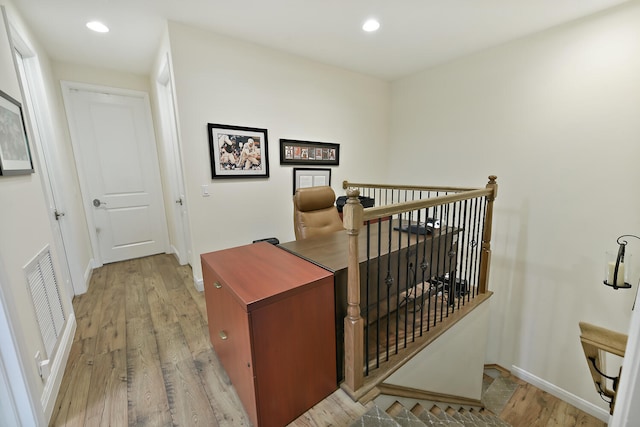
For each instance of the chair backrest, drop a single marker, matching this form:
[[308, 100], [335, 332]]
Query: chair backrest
[[314, 212]]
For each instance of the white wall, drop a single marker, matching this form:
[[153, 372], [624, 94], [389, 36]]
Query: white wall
[[25, 229], [225, 81], [557, 117], [453, 363]]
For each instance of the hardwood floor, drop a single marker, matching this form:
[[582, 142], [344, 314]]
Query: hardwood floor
[[141, 356], [532, 407]]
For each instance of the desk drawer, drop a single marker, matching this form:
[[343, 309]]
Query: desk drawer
[[230, 337]]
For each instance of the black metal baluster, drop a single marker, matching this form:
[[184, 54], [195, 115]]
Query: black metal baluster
[[406, 271], [466, 243], [439, 273], [366, 323], [453, 279], [399, 266], [414, 277], [389, 282], [474, 255], [423, 266], [378, 299]]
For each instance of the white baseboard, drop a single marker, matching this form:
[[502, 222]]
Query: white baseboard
[[562, 394], [88, 272], [177, 255], [52, 385], [199, 284]]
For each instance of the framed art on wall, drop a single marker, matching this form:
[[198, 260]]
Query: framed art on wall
[[238, 151], [15, 156], [303, 178], [294, 152]]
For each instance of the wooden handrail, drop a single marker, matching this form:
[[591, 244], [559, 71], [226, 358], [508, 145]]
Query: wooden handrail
[[596, 340], [347, 184], [398, 208], [604, 339]]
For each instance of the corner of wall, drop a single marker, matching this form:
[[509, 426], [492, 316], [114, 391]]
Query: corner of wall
[[52, 386]]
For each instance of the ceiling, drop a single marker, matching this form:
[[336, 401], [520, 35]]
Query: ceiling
[[414, 34]]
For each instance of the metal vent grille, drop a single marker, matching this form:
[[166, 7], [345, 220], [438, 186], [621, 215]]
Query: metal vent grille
[[46, 298]]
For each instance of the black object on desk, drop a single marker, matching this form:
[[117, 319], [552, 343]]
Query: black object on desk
[[415, 228]]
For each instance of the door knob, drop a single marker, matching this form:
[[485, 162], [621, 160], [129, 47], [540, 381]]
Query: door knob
[[97, 203]]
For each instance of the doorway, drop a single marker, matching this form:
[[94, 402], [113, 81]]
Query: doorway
[[115, 153], [178, 217]]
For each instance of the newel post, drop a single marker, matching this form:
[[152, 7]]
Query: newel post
[[353, 323], [486, 237]]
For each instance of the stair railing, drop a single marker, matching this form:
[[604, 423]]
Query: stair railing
[[596, 342], [438, 268]]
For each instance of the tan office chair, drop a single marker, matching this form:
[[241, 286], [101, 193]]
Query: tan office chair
[[314, 212]]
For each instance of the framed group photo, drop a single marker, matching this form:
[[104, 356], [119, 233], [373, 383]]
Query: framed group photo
[[296, 152], [238, 151], [15, 156]]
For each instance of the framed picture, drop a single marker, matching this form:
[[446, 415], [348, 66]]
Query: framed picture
[[295, 152], [310, 178], [15, 156], [238, 152]]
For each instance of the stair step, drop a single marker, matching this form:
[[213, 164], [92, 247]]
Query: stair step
[[467, 418], [375, 417], [498, 394], [399, 416], [403, 416]]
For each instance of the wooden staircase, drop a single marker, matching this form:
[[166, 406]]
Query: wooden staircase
[[418, 416], [497, 390]]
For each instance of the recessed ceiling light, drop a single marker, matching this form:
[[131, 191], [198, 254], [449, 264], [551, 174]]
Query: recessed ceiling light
[[98, 27], [371, 25]]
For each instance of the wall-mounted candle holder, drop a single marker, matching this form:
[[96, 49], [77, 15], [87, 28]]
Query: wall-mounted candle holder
[[615, 273]]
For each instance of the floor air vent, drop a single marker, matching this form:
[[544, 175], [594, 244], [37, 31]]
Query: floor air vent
[[46, 298]]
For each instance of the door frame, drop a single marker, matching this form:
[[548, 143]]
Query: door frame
[[173, 167], [30, 78], [67, 88]]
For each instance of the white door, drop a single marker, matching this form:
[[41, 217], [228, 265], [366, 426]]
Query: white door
[[179, 218], [114, 144]]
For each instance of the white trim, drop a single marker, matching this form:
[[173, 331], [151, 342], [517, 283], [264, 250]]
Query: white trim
[[627, 412], [199, 284], [13, 355], [88, 272], [170, 136], [8, 409], [52, 387], [562, 394]]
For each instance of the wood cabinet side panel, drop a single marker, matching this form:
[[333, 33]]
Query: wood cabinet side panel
[[230, 337], [294, 347]]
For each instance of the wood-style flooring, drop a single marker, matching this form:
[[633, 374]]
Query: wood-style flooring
[[532, 407], [141, 356]]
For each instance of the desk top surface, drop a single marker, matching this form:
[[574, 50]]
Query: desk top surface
[[260, 272], [330, 251]]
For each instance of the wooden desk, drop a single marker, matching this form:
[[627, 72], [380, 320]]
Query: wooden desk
[[403, 257], [271, 320]]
